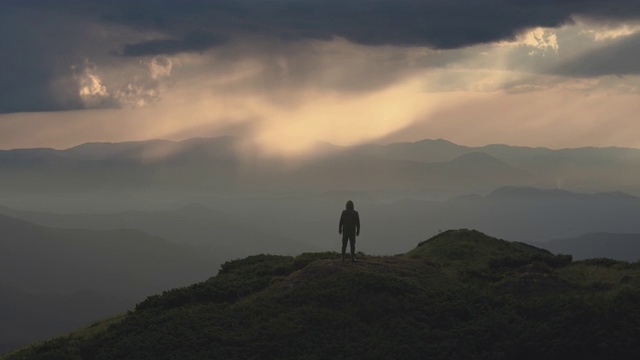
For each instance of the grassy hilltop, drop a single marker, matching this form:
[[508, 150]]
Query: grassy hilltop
[[458, 295]]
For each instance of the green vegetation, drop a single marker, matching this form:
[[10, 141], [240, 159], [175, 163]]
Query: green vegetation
[[459, 295]]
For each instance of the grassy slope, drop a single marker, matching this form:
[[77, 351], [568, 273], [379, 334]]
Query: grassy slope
[[460, 294]]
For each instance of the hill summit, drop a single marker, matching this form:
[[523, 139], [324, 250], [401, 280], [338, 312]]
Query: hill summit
[[460, 294]]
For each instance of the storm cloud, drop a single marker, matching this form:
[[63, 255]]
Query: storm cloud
[[618, 58], [42, 42], [441, 24], [195, 41]]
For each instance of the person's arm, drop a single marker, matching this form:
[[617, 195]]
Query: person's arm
[[357, 224], [341, 223]]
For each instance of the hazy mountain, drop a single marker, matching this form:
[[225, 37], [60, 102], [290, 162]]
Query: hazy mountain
[[615, 246], [523, 214], [583, 169], [540, 215], [460, 294], [160, 164], [235, 227], [469, 172], [170, 171], [123, 263], [433, 151], [27, 317], [225, 235]]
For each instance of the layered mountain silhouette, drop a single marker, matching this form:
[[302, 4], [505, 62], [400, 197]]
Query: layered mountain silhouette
[[460, 294], [221, 233], [224, 165], [580, 169], [530, 215], [366, 172], [288, 225]]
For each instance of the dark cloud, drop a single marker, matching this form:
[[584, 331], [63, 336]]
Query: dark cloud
[[618, 58], [441, 24], [29, 66], [194, 41], [437, 24], [40, 40]]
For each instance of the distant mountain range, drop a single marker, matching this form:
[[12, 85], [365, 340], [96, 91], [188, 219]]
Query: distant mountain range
[[523, 214], [223, 166], [236, 227], [538, 215], [582, 169], [221, 233]]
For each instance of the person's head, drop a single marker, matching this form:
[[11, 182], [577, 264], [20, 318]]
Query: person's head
[[349, 205]]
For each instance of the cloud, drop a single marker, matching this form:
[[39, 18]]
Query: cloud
[[29, 66], [41, 41], [92, 89], [194, 41], [555, 118], [137, 90], [606, 32], [542, 39], [160, 67], [618, 57], [433, 23]]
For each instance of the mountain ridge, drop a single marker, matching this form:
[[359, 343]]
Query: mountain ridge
[[500, 300], [224, 166], [438, 141]]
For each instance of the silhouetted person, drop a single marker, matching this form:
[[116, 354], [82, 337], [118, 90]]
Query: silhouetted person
[[349, 227]]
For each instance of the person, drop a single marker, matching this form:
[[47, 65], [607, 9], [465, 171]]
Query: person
[[349, 227]]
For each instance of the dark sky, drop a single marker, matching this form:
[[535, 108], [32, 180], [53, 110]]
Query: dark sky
[[77, 55]]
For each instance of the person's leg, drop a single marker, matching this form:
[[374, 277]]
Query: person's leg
[[352, 242], [344, 244]]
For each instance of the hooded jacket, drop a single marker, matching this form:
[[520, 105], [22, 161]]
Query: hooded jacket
[[349, 221]]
